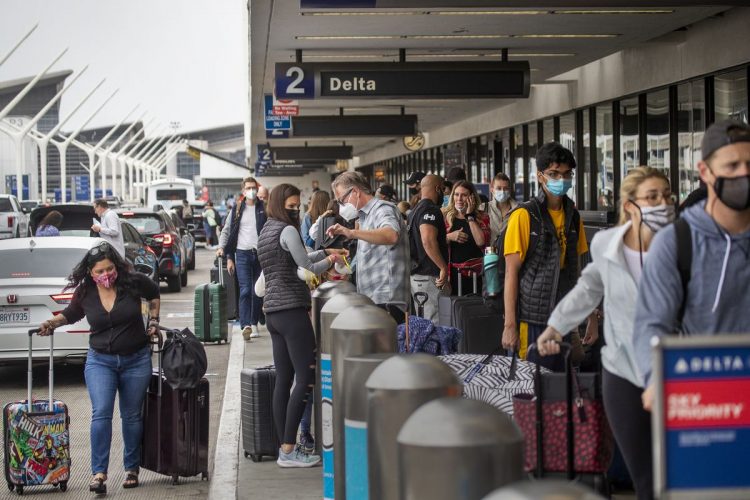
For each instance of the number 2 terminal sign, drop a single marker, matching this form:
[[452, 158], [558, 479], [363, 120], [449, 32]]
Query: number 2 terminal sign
[[417, 80], [701, 417]]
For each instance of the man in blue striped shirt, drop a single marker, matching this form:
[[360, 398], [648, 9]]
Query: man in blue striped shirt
[[382, 243]]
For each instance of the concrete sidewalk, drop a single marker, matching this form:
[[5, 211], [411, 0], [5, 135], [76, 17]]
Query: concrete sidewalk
[[266, 480]]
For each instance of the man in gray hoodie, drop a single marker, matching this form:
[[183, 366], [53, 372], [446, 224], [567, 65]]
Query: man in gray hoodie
[[717, 298]]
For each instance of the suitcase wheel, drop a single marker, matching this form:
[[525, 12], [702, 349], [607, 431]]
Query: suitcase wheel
[[12, 486], [175, 480], [256, 458], [19, 489], [204, 476], [64, 486]]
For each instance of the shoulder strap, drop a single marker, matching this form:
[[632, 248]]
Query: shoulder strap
[[684, 259]]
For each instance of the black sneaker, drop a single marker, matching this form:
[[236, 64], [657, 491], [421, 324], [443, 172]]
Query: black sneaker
[[307, 442]]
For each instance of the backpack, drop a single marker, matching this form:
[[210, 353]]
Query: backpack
[[183, 359], [684, 261]]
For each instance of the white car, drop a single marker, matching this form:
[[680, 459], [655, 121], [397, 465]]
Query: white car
[[14, 223], [33, 275]]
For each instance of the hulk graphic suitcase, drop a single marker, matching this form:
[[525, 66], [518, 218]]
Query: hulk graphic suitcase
[[37, 437]]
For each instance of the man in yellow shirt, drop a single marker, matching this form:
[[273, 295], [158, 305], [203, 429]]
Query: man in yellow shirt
[[543, 242]]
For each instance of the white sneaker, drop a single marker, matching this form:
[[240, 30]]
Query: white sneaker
[[255, 333], [297, 458]]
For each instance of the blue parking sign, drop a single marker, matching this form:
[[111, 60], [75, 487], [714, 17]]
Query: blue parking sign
[[274, 122]]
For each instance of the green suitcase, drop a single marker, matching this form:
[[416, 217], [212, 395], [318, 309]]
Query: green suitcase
[[211, 323]]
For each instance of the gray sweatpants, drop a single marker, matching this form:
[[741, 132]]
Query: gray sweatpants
[[426, 284]]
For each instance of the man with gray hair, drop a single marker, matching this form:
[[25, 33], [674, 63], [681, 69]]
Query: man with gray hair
[[382, 243]]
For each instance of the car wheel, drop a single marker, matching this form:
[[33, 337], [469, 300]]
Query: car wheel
[[174, 283], [191, 262], [183, 278]]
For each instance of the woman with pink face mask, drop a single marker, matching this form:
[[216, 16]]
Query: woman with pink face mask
[[108, 293]]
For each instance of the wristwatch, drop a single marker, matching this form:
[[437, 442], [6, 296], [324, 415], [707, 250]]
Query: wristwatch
[[470, 218]]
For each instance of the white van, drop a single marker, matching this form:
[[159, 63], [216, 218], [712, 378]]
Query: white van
[[169, 192]]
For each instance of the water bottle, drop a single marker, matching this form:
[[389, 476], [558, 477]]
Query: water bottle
[[492, 283]]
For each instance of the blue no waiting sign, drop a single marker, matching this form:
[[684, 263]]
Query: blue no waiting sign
[[274, 122]]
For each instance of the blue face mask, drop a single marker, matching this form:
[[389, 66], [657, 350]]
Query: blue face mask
[[559, 187], [446, 199]]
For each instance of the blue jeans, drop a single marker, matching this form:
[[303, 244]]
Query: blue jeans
[[248, 271], [129, 376]]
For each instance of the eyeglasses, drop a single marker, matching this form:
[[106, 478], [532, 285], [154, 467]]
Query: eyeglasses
[[343, 198], [656, 198], [555, 175]]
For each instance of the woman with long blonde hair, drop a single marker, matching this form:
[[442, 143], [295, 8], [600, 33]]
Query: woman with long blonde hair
[[468, 231], [318, 206], [646, 206]]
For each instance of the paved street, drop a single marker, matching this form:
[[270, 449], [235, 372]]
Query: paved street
[[176, 311]]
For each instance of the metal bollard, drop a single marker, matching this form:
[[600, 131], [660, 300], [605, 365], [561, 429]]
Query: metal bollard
[[544, 488], [456, 448], [358, 330], [320, 297], [395, 390], [324, 430], [358, 370]]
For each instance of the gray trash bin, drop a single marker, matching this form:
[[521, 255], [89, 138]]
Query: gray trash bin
[[395, 390], [320, 297], [358, 370], [544, 489], [358, 330], [456, 448]]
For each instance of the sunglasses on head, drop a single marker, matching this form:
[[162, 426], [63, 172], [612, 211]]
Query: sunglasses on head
[[103, 248]]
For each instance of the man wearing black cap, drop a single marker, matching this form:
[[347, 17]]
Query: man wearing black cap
[[413, 182], [386, 193], [707, 293]]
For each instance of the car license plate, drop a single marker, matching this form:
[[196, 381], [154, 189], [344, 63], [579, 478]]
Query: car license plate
[[14, 315]]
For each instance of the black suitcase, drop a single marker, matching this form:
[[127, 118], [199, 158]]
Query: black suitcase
[[480, 322], [259, 436], [175, 428], [232, 286]]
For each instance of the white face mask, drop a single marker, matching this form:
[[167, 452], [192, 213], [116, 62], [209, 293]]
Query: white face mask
[[250, 194], [502, 196], [657, 217], [348, 211]]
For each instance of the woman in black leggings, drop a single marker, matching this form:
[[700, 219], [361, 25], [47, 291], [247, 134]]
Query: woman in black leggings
[[286, 305]]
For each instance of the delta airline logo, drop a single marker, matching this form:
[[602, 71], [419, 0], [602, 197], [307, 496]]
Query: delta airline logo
[[710, 364]]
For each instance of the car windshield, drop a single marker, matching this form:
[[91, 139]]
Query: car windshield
[[5, 205], [40, 262], [145, 223]]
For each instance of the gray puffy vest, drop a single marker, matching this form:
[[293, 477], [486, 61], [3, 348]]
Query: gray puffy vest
[[542, 282], [284, 290]]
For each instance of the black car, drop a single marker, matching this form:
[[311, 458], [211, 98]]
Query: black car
[[165, 240], [188, 240], [77, 221]]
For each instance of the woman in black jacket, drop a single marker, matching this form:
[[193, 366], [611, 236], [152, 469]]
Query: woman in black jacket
[[286, 305], [108, 294]]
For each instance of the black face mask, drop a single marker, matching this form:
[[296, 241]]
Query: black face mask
[[293, 214], [413, 191], [734, 192]]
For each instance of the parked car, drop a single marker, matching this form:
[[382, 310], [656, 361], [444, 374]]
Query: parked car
[[197, 230], [33, 276], [165, 239], [77, 221], [188, 240], [28, 205], [14, 223]]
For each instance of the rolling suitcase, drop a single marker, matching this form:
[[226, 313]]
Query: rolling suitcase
[[232, 286], [210, 311], [175, 428], [37, 437], [259, 436], [475, 316]]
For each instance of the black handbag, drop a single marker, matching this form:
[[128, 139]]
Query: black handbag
[[184, 359]]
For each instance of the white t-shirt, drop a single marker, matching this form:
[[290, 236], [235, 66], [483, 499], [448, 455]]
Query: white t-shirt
[[248, 236], [633, 260]]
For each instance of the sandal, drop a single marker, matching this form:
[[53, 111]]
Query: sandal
[[131, 480], [97, 484]]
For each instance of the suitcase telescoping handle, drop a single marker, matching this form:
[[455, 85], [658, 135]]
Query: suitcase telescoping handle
[[219, 262], [51, 368]]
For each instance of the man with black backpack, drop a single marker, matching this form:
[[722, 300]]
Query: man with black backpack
[[542, 245], [696, 277]]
